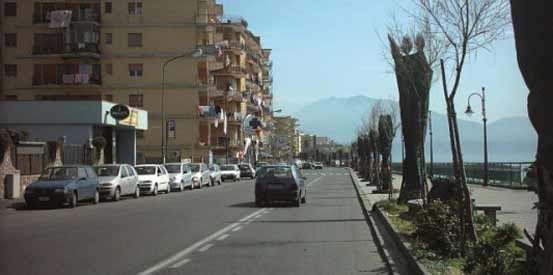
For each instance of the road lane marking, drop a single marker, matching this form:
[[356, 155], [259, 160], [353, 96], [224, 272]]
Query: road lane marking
[[223, 237], [314, 181], [205, 248], [257, 216], [167, 262], [237, 228], [181, 263]]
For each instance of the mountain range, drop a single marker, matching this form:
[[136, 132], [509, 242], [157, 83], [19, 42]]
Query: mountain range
[[509, 139]]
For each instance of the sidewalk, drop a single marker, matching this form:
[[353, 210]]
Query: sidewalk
[[516, 205]]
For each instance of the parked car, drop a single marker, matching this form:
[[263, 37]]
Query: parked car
[[306, 165], [180, 176], [260, 164], [246, 170], [318, 165], [153, 178], [215, 174], [280, 183], [63, 185], [117, 180], [230, 172], [200, 175]]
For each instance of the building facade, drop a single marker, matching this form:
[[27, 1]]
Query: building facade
[[116, 51]]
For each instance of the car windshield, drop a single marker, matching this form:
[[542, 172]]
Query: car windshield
[[244, 167], [212, 168], [107, 171], [146, 170], [228, 168], [173, 168], [195, 168], [275, 172], [59, 173]]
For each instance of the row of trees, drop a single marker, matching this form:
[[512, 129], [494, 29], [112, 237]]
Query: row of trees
[[445, 34], [374, 145]]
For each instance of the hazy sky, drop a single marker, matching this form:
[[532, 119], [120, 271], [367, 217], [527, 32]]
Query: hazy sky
[[324, 48]]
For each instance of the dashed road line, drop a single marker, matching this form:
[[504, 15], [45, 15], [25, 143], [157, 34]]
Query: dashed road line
[[178, 256], [180, 263], [237, 228], [205, 248], [224, 236]]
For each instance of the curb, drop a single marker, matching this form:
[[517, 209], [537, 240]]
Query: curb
[[375, 232], [414, 266]]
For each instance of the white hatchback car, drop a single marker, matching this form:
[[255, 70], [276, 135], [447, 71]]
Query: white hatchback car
[[230, 172], [152, 178], [180, 176], [200, 174], [117, 180]]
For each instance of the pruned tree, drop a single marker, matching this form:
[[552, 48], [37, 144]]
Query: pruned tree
[[532, 23], [414, 77], [464, 27], [386, 134]]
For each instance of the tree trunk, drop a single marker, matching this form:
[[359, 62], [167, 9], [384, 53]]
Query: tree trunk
[[532, 21], [414, 77]]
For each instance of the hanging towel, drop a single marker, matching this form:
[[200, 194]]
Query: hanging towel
[[60, 19]]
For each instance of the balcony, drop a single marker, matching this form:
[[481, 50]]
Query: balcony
[[236, 118], [227, 19], [229, 95], [67, 74], [81, 13], [232, 70], [71, 50]]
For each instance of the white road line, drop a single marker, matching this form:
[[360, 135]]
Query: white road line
[[314, 181], [157, 267], [223, 237], [257, 217], [237, 228], [205, 248], [181, 263]]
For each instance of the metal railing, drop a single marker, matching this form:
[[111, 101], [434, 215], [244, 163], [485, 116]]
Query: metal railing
[[500, 174]]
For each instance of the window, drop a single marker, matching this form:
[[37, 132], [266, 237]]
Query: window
[[81, 174], [10, 70], [109, 39], [136, 101], [10, 40], [91, 173], [107, 7], [135, 70], [10, 9], [135, 8], [124, 172], [109, 68], [135, 39]]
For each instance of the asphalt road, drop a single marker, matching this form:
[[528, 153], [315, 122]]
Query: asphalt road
[[216, 230]]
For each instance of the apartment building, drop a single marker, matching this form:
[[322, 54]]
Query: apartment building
[[285, 134], [116, 51]]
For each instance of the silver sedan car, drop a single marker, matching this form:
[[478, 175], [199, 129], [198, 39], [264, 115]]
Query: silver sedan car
[[117, 180]]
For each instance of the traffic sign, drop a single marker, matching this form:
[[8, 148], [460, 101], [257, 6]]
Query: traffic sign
[[171, 129]]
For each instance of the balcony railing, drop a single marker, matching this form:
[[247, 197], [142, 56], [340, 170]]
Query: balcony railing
[[71, 79], [232, 19], [67, 49], [79, 16]]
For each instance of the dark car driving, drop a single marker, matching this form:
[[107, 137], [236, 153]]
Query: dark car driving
[[63, 185], [246, 171], [280, 183]]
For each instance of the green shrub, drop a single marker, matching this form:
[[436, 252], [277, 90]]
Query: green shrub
[[437, 229], [495, 252]]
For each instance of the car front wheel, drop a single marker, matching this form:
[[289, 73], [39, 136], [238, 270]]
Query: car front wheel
[[73, 202], [155, 190], [117, 194], [136, 193], [96, 197]]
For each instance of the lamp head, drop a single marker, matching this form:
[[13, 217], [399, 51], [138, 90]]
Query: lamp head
[[469, 111]]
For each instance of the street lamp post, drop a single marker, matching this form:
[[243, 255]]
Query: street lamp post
[[469, 112], [164, 138]]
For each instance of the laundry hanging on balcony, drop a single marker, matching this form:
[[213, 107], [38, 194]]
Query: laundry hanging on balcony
[[60, 19]]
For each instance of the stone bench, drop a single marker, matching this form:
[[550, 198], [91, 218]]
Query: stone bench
[[489, 210]]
